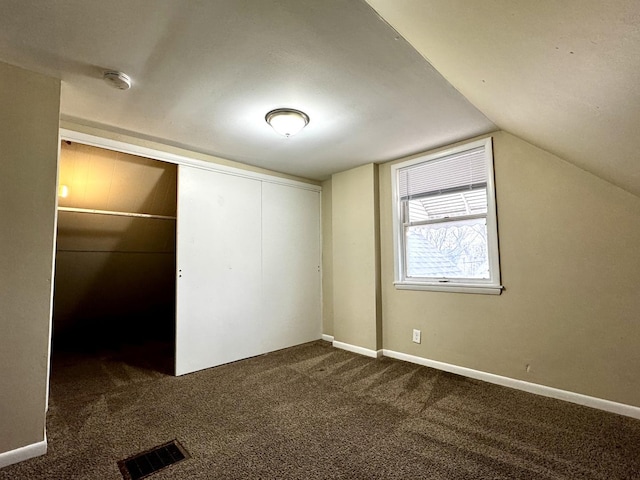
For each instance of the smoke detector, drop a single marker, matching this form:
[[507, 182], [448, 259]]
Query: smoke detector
[[117, 80]]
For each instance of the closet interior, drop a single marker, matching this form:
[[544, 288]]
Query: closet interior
[[115, 270]]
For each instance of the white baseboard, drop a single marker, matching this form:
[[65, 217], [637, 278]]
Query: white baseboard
[[327, 338], [580, 399], [23, 453], [355, 349]]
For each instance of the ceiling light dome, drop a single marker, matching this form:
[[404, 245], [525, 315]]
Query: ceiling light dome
[[287, 121]]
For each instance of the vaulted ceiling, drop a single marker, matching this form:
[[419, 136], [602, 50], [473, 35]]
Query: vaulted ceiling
[[379, 80], [563, 75]]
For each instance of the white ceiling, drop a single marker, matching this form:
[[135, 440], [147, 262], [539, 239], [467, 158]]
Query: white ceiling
[[564, 75], [205, 74]]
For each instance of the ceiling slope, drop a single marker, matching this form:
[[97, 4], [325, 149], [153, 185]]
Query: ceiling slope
[[563, 75], [205, 74]]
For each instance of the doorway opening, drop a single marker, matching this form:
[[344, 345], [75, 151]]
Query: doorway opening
[[114, 293]]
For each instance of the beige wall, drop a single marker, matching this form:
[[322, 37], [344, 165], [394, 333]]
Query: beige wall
[[115, 276], [356, 299], [570, 265], [29, 108], [327, 260]]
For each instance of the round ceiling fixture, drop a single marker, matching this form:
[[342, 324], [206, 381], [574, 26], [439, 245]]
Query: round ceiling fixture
[[287, 121], [117, 80]]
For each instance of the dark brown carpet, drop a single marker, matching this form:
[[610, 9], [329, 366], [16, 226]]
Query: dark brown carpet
[[315, 412]]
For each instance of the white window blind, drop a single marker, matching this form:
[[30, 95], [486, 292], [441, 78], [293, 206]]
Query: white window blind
[[453, 173]]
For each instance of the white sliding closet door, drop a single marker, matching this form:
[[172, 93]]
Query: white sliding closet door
[[291, 265], [219, 283], [248, 259]]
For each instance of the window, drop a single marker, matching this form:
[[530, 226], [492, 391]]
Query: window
[[445, 228]]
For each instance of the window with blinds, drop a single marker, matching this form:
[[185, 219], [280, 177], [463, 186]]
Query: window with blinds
[[445, 222]]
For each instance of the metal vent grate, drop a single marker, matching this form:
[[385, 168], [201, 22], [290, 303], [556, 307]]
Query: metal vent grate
[[151, 461]]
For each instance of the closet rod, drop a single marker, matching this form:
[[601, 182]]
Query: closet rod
[[119, 214]]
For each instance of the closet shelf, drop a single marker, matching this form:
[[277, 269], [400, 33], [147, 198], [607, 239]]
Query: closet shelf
[[119, 214]]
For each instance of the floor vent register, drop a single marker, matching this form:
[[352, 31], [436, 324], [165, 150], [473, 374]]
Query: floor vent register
[[148, 462]]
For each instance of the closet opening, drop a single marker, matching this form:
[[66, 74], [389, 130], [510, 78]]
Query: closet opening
[[115, 285]]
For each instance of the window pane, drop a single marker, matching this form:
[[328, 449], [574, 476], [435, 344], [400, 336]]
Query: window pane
[[455, 204], [456, 249]]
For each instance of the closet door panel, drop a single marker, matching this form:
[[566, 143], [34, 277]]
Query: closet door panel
[[219, 285], [291, 261]]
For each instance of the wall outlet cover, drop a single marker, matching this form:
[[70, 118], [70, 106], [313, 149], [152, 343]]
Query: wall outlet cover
[[416, 336]]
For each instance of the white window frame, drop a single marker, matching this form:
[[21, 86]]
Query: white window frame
[[485, 286]]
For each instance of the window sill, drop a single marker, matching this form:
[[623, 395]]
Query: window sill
[[448, 287]]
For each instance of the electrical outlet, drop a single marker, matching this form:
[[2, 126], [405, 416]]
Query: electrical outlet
[[416, 336]]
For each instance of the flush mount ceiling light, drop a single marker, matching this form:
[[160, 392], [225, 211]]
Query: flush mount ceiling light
[[118, 80], [287, 121]]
